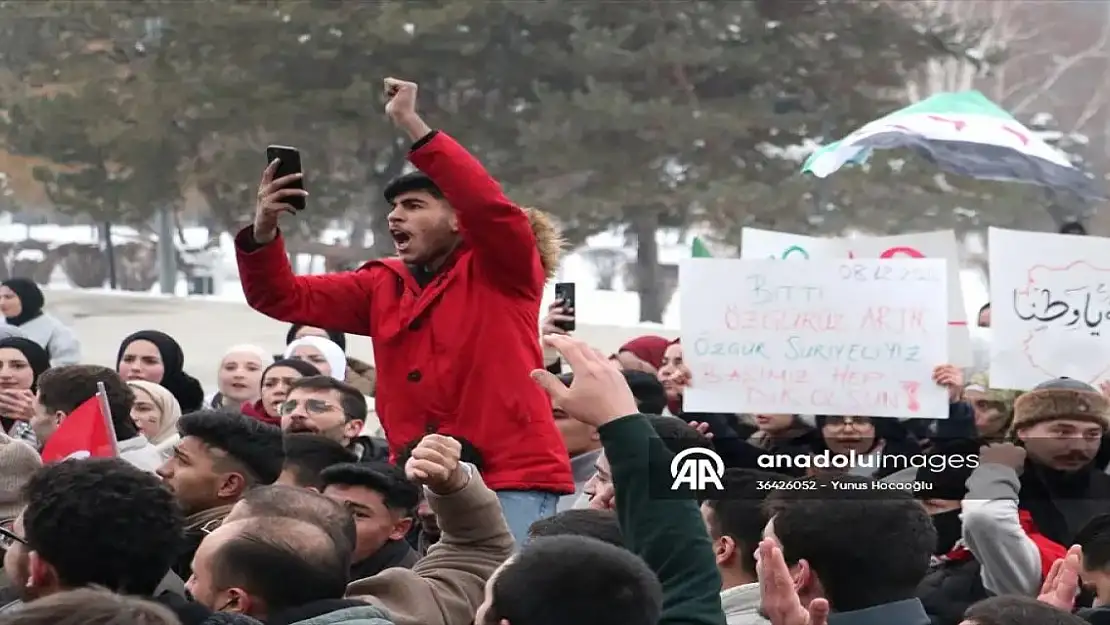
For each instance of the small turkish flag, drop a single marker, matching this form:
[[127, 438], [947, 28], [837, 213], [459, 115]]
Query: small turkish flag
[[84, 433]]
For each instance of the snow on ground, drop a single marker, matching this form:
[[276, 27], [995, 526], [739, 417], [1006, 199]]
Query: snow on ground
[[595, 306]]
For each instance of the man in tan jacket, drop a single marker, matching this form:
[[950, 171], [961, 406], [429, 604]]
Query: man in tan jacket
[[447, 585], [445, 588]]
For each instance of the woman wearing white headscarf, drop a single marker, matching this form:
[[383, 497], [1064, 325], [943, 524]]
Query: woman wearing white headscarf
[[155, 413], [239, 378], [321, 353]]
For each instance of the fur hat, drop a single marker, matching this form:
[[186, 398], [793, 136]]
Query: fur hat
[[1062, 398]]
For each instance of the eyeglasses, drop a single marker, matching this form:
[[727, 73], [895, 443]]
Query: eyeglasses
[[314, 406], [9, 539]]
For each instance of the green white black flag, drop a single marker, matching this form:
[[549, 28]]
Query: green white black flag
[[963, 133]]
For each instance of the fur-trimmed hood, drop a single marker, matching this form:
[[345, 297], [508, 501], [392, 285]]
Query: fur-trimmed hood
[[549, 239]]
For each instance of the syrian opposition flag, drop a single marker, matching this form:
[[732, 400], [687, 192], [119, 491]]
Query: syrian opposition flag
[[962, 133], [86, 432]]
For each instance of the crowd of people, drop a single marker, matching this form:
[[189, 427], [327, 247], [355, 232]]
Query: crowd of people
[[483, 472]]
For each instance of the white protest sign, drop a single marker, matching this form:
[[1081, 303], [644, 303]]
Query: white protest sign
[[837, 337], [1050, 296], [755, 243]]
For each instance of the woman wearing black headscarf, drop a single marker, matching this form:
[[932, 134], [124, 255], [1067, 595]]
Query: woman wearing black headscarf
[[156, 357], [22, 361], [21, 302]]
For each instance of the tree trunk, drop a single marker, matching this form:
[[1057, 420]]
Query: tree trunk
[[360, 223], [645, 223], [178, 227]]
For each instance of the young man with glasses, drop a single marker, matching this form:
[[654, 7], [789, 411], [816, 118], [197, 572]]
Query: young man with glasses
[[327, 407]]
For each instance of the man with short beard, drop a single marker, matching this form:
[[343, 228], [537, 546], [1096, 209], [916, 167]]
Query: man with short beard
[[327, 407], [1025, 505]]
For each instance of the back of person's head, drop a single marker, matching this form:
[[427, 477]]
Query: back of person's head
[[737, 519], [280, 562], [1017, 610], [90, 607], [307, 455], [827, 531], [677, 435], [102, 522], [351, 401], [599, 524], [651, 397], [255, 446], [467, 453], [1094, 538], [573, 579], [298, 503], [63, 389], [389, 481]]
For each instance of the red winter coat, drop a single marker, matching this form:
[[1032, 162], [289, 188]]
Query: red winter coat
[[453, 357]]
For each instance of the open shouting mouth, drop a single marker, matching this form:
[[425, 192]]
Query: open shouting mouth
[[401, 239]]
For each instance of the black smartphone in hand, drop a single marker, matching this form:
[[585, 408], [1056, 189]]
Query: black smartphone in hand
[[565, 291], [290, 163]]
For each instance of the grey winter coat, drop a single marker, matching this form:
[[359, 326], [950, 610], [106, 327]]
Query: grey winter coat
[[55, 337]]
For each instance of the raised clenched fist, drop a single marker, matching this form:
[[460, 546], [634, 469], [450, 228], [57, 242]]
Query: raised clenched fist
[[400, 99], [435, 463]]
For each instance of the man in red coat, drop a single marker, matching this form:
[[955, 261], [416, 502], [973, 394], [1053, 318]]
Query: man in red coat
[[454, 316]]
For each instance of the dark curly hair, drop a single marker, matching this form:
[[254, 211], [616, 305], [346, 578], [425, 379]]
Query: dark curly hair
[[103, 522], [255, 445], [63, 389]]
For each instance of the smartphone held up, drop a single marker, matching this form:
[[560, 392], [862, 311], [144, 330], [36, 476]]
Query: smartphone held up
[[289, 162], [564, 292]]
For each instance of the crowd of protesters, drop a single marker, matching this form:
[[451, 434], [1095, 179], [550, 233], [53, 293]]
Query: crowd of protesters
[[482, 473]]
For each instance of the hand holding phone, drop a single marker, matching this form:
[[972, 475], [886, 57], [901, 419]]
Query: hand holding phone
[[564, 295], [281, 191], [288, 169]]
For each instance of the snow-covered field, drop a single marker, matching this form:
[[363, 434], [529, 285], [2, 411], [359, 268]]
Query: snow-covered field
[[612, 308]]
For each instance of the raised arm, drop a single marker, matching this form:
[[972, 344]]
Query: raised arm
[[499, 232], [447, 585], [669, 534], [336, 301]]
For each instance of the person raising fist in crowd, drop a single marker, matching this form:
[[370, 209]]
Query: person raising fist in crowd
[[468, 278]]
